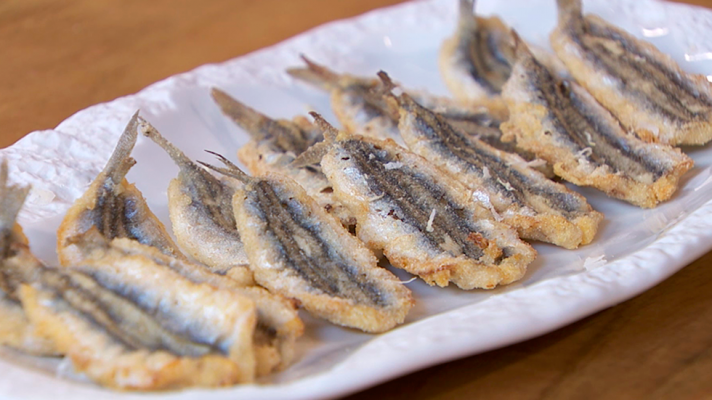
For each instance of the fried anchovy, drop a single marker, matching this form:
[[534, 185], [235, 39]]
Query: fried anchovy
[[200, 208], [298, 250], [273, 147], [522, 197], [382, 121], [644, 88], [16, 331], [278, 324], [355, 100], [128, 324], [115, 207], [563, 124], [477, 60], [424, 221], [123, 321]]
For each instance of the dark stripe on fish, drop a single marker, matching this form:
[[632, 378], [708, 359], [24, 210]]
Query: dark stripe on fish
[[480, 57], [574, 117], [324, 268], [414, 196], [116, 309], [672, 96], [507, 181], [287, 138], [208, 196]]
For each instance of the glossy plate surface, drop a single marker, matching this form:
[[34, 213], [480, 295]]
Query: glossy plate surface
[[635, 248]]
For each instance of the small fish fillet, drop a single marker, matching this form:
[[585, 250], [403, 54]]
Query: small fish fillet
[[644, 88], [300, 251], [524, 198], [16, 330], [476, 61], [114, 207], [123, 321], [466, 246], [472, 118], [563, 124], [273, 146], [200, 208]]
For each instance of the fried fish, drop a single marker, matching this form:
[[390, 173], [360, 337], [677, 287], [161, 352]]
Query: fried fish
[[123, 322], [278, 325], [527, 200], [563, 124], [424, 221], [128, 324], [16, 331], [644, 88], [378, 120], [300, 251], [114, 207], [200, 208], [273, 147], [477, 60], [355, 100]]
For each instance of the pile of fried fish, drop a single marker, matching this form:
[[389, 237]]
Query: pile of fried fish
[[445, 189]]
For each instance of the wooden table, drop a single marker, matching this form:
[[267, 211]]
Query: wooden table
[[59, 57]]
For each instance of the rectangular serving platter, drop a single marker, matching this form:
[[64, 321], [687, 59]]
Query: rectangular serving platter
[[634, 250]]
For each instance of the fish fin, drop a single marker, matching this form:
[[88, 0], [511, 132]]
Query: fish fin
[[386, 89], [330, 133], [314, 154], [315, 74], [394, 101], [521, 50], [230, 169]]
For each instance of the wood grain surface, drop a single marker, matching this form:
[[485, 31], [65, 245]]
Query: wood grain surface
[[59, 57]]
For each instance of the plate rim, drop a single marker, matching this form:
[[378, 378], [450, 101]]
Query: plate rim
[[574, 296]]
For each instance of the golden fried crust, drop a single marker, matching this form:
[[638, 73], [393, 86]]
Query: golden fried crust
[[273, 272], [633, 113], [132, 295], [278, 324], [403, 246], [17, 332], [110, 364]]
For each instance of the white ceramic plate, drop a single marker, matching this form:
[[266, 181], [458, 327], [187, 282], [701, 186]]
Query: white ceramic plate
[[634, 250]]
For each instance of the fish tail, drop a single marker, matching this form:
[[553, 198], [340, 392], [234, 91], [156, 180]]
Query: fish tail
[[315, 153], [245, 117], [174, 152], [521, 50], [570, 11], [315, 74], [12, 197], [466, 16], [229, 169], [120, 161], [393, 101]]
